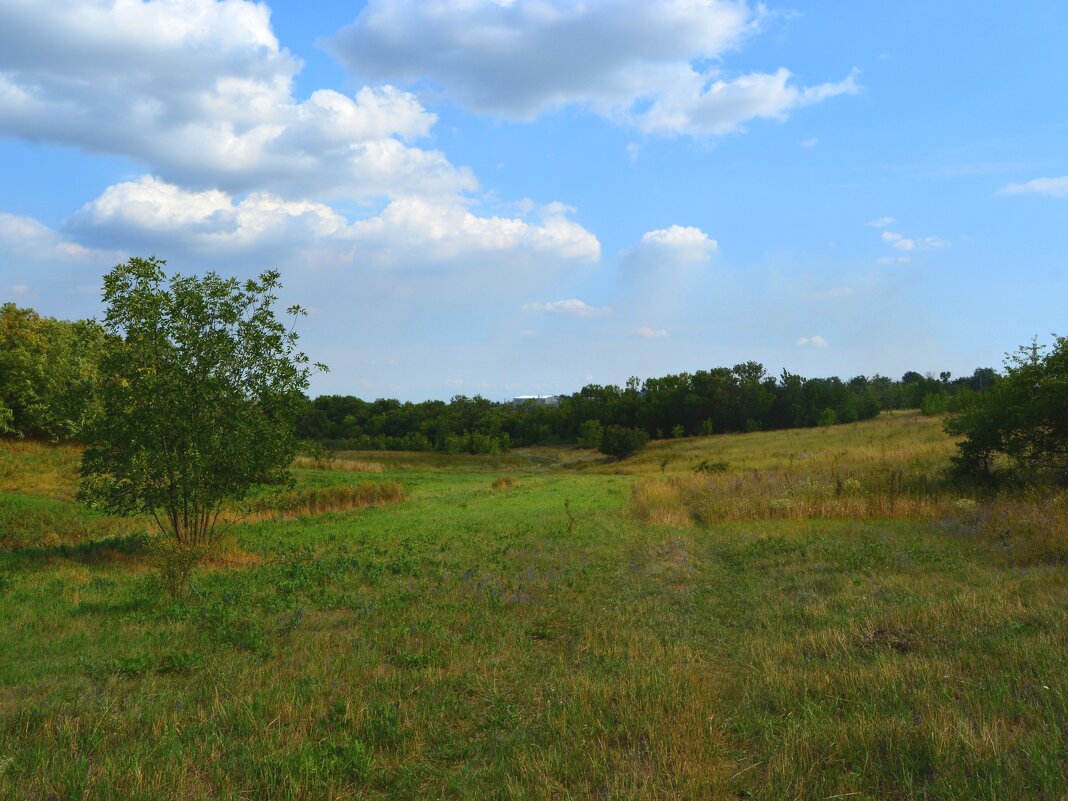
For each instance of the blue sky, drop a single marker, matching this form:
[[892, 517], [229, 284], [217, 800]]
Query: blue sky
[[519, 197]]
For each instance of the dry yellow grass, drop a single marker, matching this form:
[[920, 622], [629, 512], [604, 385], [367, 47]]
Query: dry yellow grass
[[306, 502], [889, 467], [350, 465], [901, 440]]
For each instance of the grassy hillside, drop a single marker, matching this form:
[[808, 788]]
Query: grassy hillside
[[553, 637]]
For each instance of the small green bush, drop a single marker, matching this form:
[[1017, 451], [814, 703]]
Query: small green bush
[[622, 442]]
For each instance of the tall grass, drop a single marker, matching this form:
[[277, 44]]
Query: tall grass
[[761, 494], [319, 500], [349, 465]]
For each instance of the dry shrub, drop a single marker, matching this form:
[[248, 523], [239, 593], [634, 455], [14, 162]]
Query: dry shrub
[[305, 502], [505, 483], [349, 465]]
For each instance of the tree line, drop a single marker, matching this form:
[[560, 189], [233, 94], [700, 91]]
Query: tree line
[[741, 398], [50, 377]]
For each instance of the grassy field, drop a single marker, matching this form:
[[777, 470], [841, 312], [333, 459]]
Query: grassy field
[[740, 616]]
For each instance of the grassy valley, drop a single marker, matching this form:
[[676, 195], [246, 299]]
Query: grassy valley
[[804, 614]]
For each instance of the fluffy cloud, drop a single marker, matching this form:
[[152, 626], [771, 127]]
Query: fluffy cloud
[[898, 241], [571, 308], [407, 230], [651, 333], [882, 222], [677, 245], [24, 239], [814, 341], [1054, 187], [201, 92], [647, 63], [904, 243], [443, 231], [39, 264]]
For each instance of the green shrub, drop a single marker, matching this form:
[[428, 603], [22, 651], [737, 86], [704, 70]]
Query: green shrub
[[590, 433], [622, 442]]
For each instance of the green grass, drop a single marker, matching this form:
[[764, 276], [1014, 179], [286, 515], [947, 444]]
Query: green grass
[[465, 644]]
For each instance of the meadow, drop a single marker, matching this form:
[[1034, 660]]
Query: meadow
[[805, 614]]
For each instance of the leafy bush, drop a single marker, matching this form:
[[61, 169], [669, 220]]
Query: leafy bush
[[590, 433], [1022, 421], [622, 442]]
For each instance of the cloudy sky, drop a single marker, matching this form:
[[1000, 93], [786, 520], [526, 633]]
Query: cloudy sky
[[524, 196]]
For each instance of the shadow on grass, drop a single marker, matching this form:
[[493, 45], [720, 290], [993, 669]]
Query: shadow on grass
[[121, 548]]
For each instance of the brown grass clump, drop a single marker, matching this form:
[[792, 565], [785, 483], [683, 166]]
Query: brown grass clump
[[306, 502], [349, 465], [505, 483]]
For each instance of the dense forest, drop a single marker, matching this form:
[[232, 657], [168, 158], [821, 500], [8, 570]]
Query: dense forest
[[48, 370]]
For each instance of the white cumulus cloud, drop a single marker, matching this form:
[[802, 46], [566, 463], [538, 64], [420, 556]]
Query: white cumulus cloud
[[651, 333], [27, 240], [572, 308], [408, 230], [676, 245], [201, 92], [898, 241], [933, 243], [1054, 187], [814, 341], [653, 64]]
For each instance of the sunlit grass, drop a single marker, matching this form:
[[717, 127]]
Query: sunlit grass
[[546, 642]]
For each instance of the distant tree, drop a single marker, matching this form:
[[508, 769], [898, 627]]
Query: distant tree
[[828, 418], [1023, 417], [200, 388], [622, 442], [590, 433], [47, 371]]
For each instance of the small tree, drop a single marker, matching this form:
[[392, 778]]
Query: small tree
[[200, 387], [621, 442], [1023, 418], [590, 433]]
